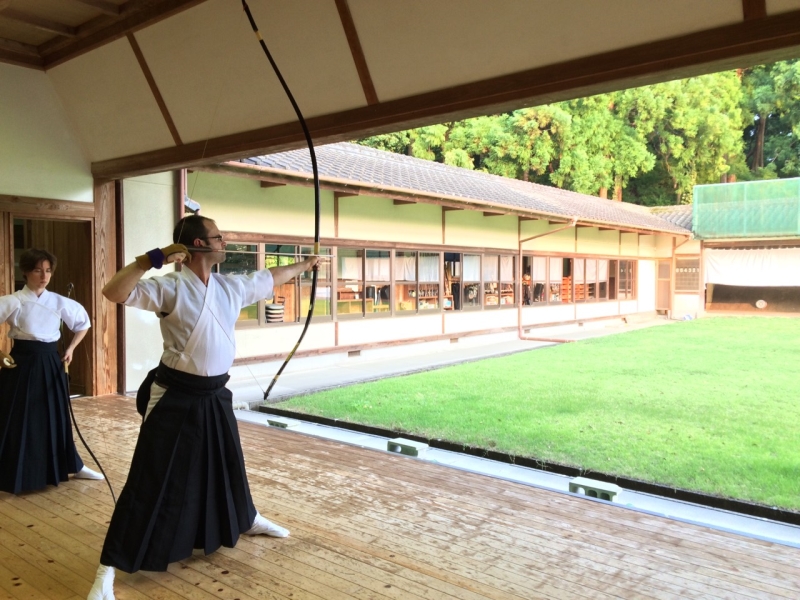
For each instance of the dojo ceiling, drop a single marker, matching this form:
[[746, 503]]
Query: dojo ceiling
[[152, 85]]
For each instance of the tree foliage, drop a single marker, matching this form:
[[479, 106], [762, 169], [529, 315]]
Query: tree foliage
[[648, 145]]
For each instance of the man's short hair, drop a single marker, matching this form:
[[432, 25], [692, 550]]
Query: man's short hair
[[29, 259], [189, 228]]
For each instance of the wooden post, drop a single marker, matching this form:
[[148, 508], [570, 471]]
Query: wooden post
[[103, 312]]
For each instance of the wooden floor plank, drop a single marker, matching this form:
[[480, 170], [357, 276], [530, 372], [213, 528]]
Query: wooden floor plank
[[727, 555], [373, 525], [273, 492]]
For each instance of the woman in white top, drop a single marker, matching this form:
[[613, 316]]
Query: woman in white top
[[36, 445]]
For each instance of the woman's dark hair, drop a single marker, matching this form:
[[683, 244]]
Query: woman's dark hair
[[32, 257], [190, 228]]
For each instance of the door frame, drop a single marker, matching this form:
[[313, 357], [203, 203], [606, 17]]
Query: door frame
[[101, 214]]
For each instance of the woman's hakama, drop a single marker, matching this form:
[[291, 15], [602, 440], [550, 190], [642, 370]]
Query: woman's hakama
[[36, 444]]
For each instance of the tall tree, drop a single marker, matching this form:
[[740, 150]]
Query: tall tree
[[700, 130], [647, 145], [772, 101]]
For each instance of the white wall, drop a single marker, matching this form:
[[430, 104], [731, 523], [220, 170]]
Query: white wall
[[238, 204], [686, 304], [554, 313], [479, 320], [646, 278], [149, 205], [365, 331], [40, 155], [595, 310]]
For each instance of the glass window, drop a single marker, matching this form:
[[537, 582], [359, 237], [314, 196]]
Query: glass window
[[285, 295], [241, 259], [452, 281], [613, 276], [602, 279], [472, 280], [350, 282], [687, 274], [491, 280], [626, 280], [579, 279], [508, 279], [539, 279], [590, 274], [406, 280], [378, 286], [555, 281], [429, 280], [322, 303]]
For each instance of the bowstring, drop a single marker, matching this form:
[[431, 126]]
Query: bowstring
[[190, 193], [222, 88]]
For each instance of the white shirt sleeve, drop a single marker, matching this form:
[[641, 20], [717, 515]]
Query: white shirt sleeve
[[8, 306], [156, 294], [74, 315], [255, 286]]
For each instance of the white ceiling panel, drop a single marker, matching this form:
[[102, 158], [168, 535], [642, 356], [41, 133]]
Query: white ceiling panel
[[416, 46], [107, 97], [215, 79], [780, 6]]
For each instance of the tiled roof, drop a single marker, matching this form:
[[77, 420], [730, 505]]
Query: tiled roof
[[364, 166], [680, 215]]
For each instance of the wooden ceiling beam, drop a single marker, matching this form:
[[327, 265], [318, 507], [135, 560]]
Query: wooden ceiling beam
[[357, 52], [105, 7], [38, 22], [21, 59], [19, 47], [754, 9], [137, 14], [270, 184], [402, 202], [487, 213], [737, 45]]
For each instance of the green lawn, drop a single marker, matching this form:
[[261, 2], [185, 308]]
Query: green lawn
[[711, 405]]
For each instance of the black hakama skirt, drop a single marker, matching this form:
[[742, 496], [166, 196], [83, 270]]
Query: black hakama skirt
[[36, 444], [187, 487]]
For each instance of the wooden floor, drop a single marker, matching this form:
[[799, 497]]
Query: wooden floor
[[368, 524]]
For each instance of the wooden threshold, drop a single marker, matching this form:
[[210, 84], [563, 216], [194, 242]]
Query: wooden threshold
[[370, 524]]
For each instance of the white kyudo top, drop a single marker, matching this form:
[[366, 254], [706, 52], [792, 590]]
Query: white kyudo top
[[197, 322], [38, 318]]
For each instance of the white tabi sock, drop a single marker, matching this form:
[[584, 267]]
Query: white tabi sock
[[103, 588], [262, 526], [87, 473]]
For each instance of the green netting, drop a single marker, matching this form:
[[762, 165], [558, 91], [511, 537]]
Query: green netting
[[752, 209]]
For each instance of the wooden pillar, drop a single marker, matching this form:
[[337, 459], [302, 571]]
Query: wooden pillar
[[6, 270], [104, 313]]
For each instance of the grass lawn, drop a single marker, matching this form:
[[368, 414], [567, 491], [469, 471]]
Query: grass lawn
[[711, 405]]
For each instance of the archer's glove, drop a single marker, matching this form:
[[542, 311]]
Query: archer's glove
[[159, 257], [6, 362]]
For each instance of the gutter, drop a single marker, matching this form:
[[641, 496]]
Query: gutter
[[519, 278]]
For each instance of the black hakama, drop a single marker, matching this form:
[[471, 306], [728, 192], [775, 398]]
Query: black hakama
[[187, 487], [36, 444]]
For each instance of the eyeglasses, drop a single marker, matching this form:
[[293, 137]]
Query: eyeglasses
[[213, 237]]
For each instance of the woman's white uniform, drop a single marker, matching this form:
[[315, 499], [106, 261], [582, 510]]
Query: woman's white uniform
[[36, 445], [187, 487]]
